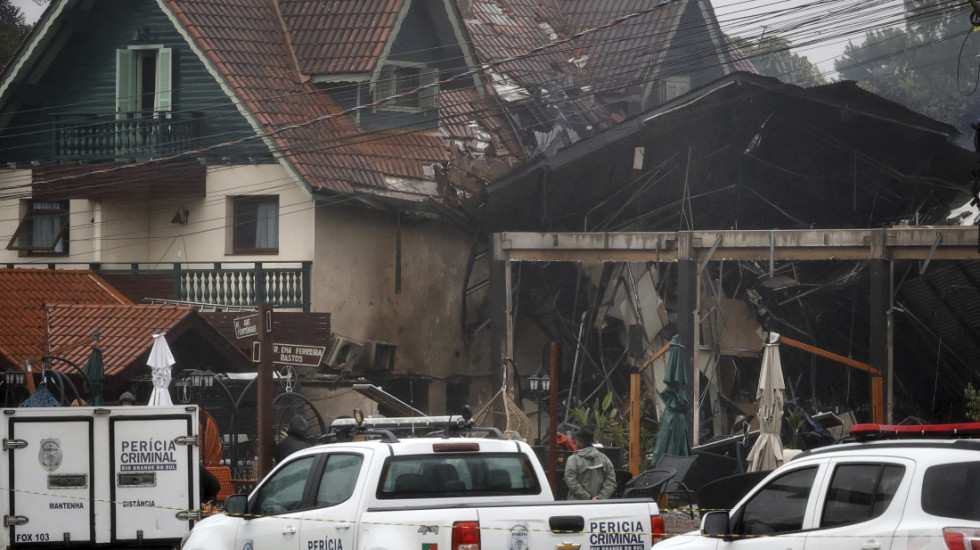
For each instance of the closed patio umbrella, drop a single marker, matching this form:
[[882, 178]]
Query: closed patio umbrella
[[160, 362], [767, 451], [672, 437], [95, 376]]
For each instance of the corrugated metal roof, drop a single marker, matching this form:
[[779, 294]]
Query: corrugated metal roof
[[24, 293]]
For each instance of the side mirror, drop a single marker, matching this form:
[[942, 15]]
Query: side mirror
[[713, 524], [236, 505]]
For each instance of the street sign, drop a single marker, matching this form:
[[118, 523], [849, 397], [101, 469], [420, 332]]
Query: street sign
[[295, 354], [247, 326]]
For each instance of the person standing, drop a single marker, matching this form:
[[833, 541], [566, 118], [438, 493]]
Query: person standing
[[589, 474], [295, 438]]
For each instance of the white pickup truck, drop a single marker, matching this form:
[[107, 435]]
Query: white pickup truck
[[430, 493]]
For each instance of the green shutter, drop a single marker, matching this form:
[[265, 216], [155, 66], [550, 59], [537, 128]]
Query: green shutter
[[429, 97], [125, 84], [165, 84]]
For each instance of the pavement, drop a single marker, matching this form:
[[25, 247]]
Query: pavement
[[680, 521]]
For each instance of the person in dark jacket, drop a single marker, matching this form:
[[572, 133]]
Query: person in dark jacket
[[210, 486], [589, 474], [295, 438]]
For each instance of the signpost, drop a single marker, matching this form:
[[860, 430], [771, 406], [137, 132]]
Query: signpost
[[297, 354], [246, 327]]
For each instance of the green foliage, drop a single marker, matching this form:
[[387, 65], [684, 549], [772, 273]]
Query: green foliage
[[972, 403], [13, 29], [613, 429], [795, 421], [922, 66], [772, 57]]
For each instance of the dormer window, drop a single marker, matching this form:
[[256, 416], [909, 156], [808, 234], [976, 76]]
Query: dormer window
[[399, 77]]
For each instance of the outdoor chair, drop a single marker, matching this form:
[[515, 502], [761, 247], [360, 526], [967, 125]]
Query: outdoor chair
[[649, 484]]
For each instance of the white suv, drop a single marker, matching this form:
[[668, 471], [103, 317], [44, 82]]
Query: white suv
[[921, 493]]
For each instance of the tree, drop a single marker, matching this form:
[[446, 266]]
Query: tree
[[13, 29], [972, 403], [930, 66], [772, 57]]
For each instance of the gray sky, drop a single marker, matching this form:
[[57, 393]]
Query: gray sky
[[31, 9]]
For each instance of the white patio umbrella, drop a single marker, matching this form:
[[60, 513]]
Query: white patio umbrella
[[767, 451], [160, 362]]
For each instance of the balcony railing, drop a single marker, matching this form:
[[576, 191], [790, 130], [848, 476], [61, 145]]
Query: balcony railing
[[92, 137], [210, 285]]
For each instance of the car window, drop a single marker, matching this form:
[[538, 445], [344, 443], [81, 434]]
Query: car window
[[943, 491], [454, 475], [338, 479], [779, 507], [859, 492], [283, 492]]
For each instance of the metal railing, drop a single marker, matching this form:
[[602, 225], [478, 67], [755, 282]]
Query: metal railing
[[92, 137], [218, 285]]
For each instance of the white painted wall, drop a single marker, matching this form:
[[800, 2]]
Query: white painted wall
[[126, 231]]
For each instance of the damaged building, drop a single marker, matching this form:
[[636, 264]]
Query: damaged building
[[752, 206], [355, 159]]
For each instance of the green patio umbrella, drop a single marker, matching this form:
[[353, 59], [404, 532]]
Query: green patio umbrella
[[95, 376], [672, 437]]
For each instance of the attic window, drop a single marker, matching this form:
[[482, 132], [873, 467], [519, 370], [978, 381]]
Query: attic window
[[43, 230], [397, 78]]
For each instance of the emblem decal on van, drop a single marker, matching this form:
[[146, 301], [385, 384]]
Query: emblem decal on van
[[49, 457]]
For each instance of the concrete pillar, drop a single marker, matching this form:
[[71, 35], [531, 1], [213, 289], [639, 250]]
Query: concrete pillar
[[499, 325], [687, 296], [880, 307]]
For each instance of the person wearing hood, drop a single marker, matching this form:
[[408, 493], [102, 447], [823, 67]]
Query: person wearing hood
[[589, 474], [295, 438]]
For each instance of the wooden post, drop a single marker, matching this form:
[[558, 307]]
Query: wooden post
[[636, 408], [264, 391], [636, 414]]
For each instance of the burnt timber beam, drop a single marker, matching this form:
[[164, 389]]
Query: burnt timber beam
[[900, 243]]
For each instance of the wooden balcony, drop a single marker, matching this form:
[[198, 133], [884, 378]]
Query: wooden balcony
[[213, 286], [94, 137]]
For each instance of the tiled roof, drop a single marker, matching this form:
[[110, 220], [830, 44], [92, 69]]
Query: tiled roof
[[246, 42], [625, 53], [24, 293], [339, 36], [267, 50], [126, 331]]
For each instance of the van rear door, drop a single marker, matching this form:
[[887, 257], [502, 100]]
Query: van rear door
[[51, 469], [154, 474]]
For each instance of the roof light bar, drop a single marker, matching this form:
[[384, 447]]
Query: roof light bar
[[895, 431]]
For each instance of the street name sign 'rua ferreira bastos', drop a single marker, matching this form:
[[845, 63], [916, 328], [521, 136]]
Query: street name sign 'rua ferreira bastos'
[[297, 354]]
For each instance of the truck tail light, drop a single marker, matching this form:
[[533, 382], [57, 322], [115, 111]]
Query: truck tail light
[[466, 535], [962, 538], [658, 528]]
